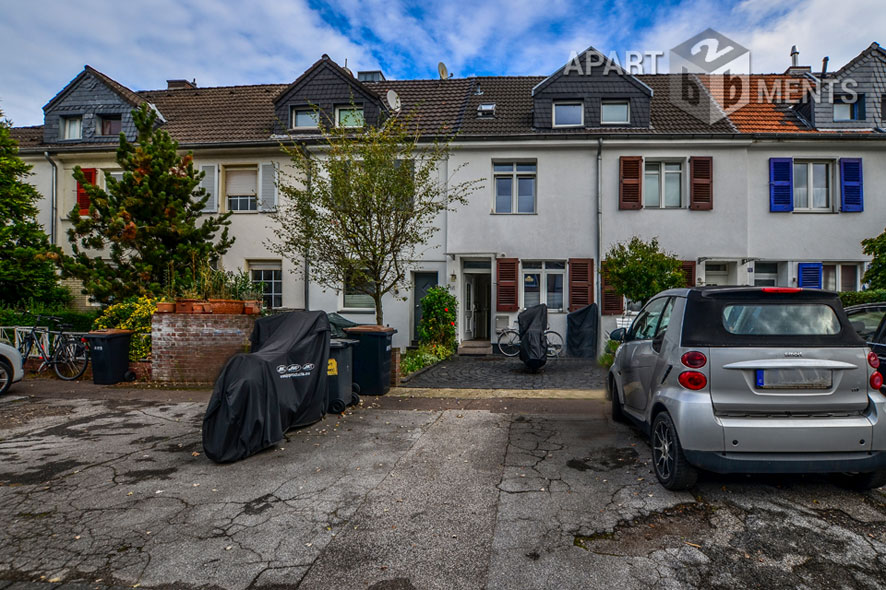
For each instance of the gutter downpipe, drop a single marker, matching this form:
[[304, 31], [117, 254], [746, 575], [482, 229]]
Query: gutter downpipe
[[599, 233], [53, 198]]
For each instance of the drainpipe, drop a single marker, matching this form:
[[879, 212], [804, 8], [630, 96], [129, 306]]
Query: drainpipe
[[52, 197], [307, 284], [599, 229]]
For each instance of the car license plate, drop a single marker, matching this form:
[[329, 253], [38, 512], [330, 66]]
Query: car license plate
[[794, 378]]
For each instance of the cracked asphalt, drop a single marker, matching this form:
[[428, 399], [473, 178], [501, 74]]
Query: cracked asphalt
[[403, 494]]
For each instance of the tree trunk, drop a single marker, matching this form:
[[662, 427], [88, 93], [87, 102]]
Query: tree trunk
[[379, 316]]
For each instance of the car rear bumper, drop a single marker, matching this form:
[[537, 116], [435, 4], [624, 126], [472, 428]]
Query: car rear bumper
[[787, 462]]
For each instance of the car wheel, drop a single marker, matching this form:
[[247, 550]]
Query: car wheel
[[862, 481], [671, 467], [6, 376], [618, 414]]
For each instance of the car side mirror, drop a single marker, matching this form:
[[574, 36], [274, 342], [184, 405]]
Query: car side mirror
[[618, 335], [658, 341]]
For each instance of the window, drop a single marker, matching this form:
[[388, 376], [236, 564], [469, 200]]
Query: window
[[839, 277], [543, 283], [766, 274], [812, 186], [663, 185], [358, 294], [109, 125], [645, 325], [569, 114], [269, 276], [349, 116], [615, 112], [848, 109], [240, 188], [514, 187], [72, 127], [780, 319], [304, 118]]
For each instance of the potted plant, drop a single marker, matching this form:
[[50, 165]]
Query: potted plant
[[247, 291], [166, 303], [222, 286]]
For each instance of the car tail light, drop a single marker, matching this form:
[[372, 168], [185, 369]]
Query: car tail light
[[873, 360], [782, 289], [876, 380], [694, 380], [694, 359]]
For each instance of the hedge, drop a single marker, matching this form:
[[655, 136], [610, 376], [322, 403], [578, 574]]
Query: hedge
[[79, 321], [855, 297]]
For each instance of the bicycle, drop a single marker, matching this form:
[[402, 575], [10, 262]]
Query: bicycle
[[67, 354], [509, 343]]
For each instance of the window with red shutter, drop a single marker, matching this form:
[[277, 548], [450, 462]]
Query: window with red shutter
[[581, 282], [689, 272], [701, 183], [82, 195], [630, 182], [507, 271], [611, 303]]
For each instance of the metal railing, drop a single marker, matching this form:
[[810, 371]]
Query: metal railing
[[14, 335]]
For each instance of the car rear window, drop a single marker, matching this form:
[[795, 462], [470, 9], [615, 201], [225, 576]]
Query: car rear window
[[753, 318], [780, 319]]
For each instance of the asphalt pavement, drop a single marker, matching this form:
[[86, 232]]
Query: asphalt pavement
[[104, 489]]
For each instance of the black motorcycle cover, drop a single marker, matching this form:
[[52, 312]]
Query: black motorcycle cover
[[260, 395], [581, 332], [532, 324]]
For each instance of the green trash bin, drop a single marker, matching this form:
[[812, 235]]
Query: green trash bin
[[372, 358], [109, 350]]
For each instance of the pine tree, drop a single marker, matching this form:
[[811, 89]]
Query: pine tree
[[27, 270], [141, 225]]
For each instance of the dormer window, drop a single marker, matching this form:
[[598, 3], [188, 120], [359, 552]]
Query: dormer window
[[486, 110], [72, 127], [304, 118], [847, 109], [110, 125], [349, 116], [615, 112], [569, 114]]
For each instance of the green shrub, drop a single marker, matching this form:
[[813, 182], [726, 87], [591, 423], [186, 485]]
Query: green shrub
[[608, 356], [135, 315], [78, 320], [423, 356], [855, 297], [438, 315]]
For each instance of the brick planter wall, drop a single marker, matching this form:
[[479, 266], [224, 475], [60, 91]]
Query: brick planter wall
[[193, 348], [395, 367]]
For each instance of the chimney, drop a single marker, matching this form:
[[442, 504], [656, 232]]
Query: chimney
[[179, 84], [796, 69], [824, 66]]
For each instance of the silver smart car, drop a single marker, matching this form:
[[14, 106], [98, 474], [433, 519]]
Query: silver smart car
[[751, 380]]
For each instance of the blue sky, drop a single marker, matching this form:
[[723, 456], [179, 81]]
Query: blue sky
[[45, 43]]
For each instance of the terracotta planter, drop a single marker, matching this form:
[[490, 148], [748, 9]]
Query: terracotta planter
[[186, 305], [166, 307], [226, 306], [201, 307], [252, 307]]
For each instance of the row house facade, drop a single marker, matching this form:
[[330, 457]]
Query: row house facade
[[779, 191]]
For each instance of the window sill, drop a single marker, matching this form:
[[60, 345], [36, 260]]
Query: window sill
[[495, 213], [357, 310], [814, 211]]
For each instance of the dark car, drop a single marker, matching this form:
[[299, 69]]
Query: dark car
[[866, 318]]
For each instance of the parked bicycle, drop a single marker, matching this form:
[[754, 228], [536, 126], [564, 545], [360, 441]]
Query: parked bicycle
[[509, 343], [66, 353]]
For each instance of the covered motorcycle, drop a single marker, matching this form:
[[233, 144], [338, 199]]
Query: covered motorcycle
[[281, 384], [532, 324]]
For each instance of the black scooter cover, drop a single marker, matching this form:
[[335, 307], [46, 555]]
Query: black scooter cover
[[532, 323], [260, 395], [581, 332]]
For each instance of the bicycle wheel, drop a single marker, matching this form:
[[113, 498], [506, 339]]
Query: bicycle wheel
[[71, 359], [24, 348], [509, 343], [554, 344]]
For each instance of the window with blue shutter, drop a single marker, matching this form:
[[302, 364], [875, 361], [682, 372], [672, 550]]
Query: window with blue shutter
[[781, 184], [809, 275], [851, 191]]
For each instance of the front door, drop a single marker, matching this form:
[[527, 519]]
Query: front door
[[422, 282], [468, 309]]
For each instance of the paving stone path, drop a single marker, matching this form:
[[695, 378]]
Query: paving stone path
[[497, 372]]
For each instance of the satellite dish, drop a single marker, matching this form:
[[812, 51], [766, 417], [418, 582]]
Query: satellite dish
[[393, 100], [441, 69]]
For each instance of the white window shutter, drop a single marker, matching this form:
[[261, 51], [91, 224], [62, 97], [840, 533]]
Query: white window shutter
[[267, 199], [210, 185]]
